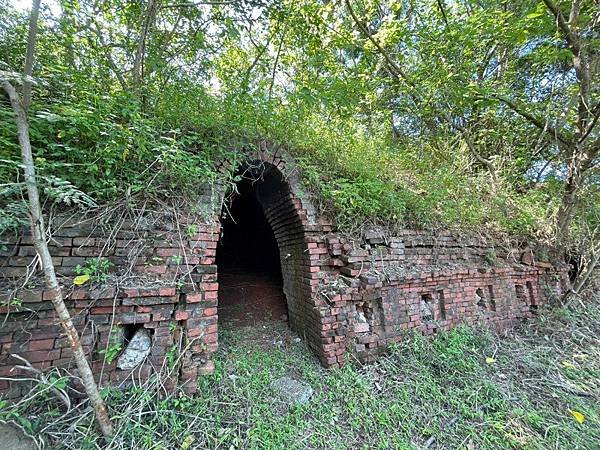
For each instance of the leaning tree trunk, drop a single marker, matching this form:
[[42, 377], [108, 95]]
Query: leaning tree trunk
[[41, 247], [19, 106]]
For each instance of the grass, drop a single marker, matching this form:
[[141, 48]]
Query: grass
[[438, 393]]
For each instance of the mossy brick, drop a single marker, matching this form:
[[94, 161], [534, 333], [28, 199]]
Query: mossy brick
[[161, 315]]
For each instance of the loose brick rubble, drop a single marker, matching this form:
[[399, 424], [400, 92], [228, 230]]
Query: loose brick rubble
[[345, 296]]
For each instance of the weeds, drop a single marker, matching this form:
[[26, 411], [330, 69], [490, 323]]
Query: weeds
[[115, 345], [468, 388], [96, 269]]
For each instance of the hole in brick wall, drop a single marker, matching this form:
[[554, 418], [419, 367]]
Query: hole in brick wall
[[533, 306], [480, 298], [575, 264], [442, 304], [492, 297], [250, 280], [520, 291], [137, 342], [129, 331], [426, 307]]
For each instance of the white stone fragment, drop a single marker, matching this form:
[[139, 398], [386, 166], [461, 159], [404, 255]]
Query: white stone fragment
[[136, 351]]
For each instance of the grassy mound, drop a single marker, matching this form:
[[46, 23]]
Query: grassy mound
[[110, 149]]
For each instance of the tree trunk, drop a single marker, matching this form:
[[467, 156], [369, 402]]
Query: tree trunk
[[138, 62], [41, 247], [569, 200], [19, 107]]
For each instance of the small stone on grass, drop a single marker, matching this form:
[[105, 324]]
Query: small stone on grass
[[12, 438], [292, 391]]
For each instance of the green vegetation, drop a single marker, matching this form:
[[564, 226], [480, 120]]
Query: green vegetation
[[458, 115], [463, 389], [95, 269], [114, 346], [467, 115]]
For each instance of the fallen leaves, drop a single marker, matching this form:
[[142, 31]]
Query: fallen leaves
[[81, 279], [579, 417]]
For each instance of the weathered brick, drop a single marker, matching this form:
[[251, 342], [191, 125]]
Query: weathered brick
[[181, 315], [210, 311], [133, 318]]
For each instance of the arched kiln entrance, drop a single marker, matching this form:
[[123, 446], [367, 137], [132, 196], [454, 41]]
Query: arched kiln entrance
[[261, 250]]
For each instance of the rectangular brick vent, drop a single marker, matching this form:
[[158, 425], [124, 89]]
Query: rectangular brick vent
[[442, 304], [491, 297], [426, 307], [533, 304], [520, 291], [364, 318], [480, 298]]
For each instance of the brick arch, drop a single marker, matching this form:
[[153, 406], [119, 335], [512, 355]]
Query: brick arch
[[298, 230]]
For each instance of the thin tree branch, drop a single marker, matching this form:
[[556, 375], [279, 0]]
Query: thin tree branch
[[574, 14], [193, 5], [396, 71], [62, 395], [580, 59], [108, 56], [442, 8], [535, 121], [141, 49], [572, 38], [595, 115], [261, 51], [29, 56], [276, 63], [466, 134]]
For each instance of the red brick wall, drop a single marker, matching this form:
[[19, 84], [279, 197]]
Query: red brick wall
[[162, 280], [346, 296], [375, 287]]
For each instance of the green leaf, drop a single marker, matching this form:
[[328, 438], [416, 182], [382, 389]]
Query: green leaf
[[533, 15]]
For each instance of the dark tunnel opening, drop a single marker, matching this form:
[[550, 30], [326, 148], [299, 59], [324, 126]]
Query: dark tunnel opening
[[250, 278]]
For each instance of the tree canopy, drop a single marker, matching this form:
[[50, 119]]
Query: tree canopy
[[401, 113]]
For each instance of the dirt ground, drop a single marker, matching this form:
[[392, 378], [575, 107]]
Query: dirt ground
[[247, 299]]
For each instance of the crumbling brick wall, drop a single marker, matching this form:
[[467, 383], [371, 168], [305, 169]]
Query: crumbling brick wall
[[163, 280], [345, 295], [376, 287]]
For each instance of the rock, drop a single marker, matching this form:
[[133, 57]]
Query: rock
[[292, 391], [138, 348], [12, 438]]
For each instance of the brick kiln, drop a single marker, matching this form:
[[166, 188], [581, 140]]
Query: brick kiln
[[346, 296]]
